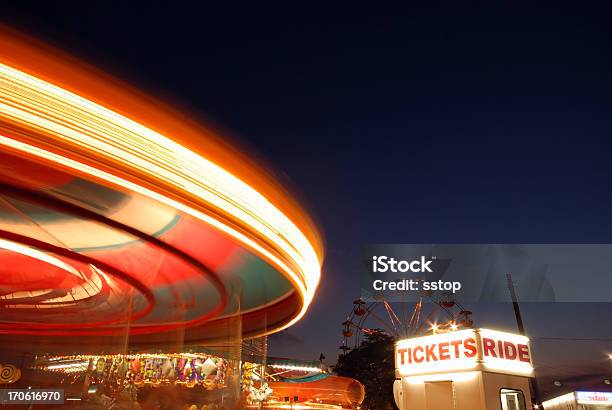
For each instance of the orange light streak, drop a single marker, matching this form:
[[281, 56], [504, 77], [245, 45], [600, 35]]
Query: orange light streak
[[73, 132]]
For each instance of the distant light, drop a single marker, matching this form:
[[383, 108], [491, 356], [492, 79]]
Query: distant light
[[563, 400], [434, 327], [536, 406], [557, 383], [454, 326], [607, 381], [593, 397]]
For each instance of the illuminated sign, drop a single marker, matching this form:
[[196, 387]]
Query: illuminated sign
[[464, 350], [590, 397]]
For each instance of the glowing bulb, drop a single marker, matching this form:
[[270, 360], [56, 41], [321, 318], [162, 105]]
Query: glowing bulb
[[454, 326]]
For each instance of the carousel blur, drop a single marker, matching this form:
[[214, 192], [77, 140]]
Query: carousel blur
[[138, 250], [153, 380], [158, 380]]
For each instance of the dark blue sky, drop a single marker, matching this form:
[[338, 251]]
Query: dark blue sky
[[470, 124]]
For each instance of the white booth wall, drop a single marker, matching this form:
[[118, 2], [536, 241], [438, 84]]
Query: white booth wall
[[475, 390]]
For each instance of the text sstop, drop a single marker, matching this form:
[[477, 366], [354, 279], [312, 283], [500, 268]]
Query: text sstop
[[416, 285]]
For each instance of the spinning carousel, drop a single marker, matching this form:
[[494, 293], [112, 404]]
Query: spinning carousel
[[126, 228]]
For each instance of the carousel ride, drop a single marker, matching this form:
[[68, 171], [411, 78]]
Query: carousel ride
[[119, 218], [130, 235]]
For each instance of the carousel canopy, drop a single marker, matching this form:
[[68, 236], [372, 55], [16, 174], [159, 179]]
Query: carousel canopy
[[115, 209]]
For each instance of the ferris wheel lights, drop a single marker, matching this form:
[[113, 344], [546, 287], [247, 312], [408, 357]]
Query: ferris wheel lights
[[356, 324]]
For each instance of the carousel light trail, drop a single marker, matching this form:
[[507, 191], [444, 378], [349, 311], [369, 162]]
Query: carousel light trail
[[76, 293], [36, 254], [66, 123]]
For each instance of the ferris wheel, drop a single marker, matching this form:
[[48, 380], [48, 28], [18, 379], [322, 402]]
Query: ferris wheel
[[432, 313]]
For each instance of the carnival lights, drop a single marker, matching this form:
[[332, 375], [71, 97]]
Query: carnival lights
[[77, 293], [593, 398], [585, 398], [36, 254], [188, 369], [46, 122], [78, 124]]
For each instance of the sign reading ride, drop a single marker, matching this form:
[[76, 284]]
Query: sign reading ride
[[464, 350]]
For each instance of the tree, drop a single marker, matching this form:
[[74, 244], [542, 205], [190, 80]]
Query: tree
[[372, 363]]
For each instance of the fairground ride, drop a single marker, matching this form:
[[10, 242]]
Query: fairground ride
[[433, 312]]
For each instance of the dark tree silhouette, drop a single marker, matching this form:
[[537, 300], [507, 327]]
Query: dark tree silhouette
[[372, 364]]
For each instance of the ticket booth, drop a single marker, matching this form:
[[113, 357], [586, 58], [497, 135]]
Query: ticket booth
[[471, 369]]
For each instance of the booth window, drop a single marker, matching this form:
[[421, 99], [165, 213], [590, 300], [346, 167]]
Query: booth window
[[512, 399]]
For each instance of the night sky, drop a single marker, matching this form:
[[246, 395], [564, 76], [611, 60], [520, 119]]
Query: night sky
[[447, 125]]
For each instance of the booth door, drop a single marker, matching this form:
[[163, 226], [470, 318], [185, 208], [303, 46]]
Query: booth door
[[439, 395]]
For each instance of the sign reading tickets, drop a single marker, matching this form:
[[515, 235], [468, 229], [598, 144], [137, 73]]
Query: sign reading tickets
[[464, 350]]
